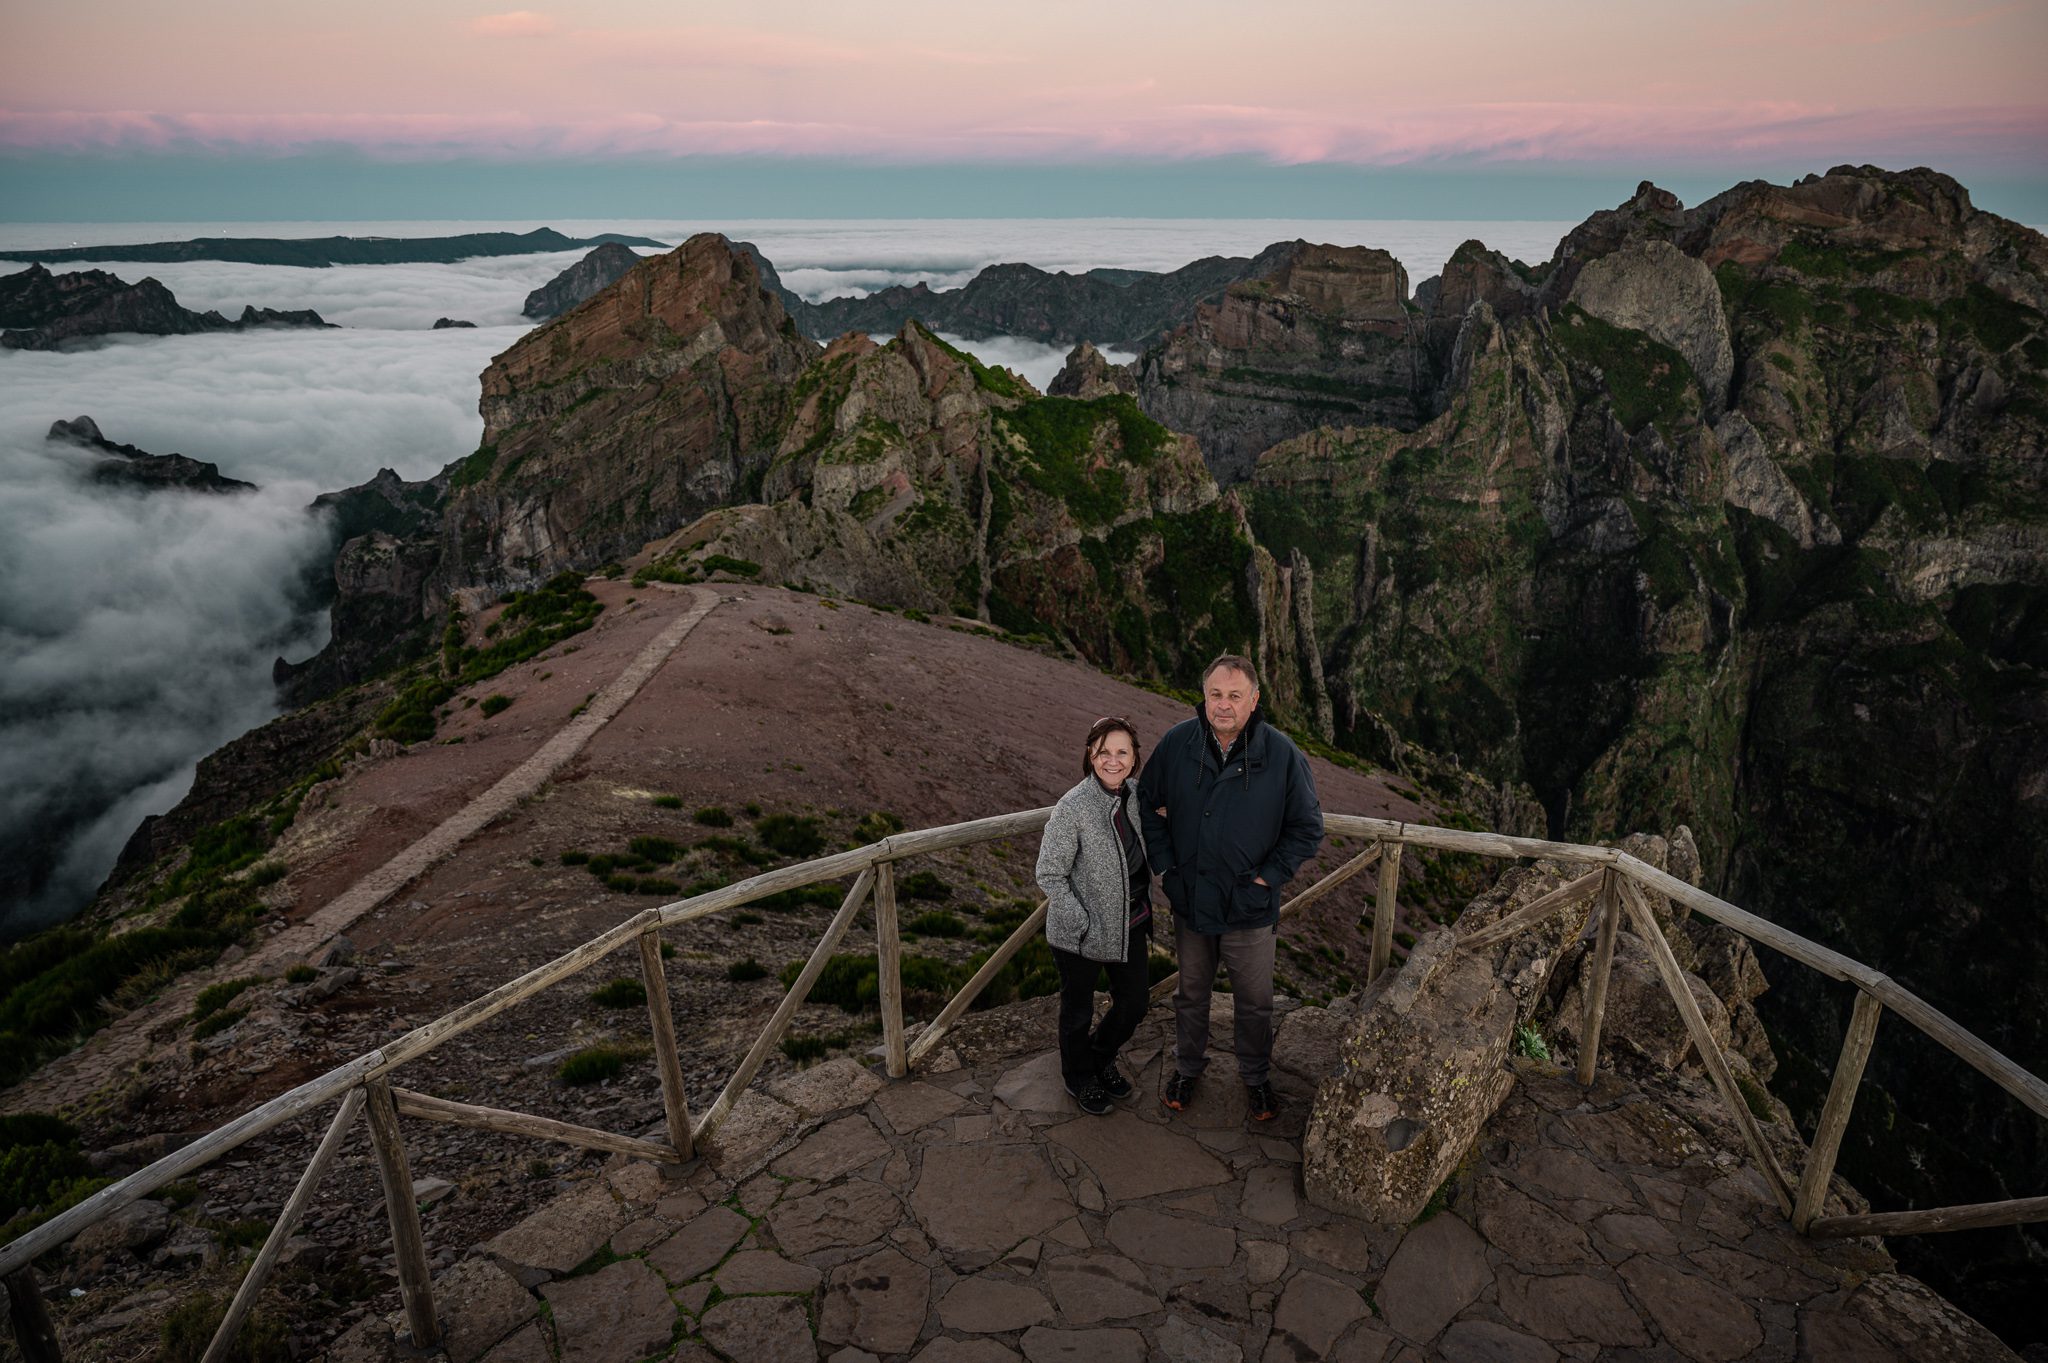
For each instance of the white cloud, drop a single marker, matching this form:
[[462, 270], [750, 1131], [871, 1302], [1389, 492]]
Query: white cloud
[[1035, 360]]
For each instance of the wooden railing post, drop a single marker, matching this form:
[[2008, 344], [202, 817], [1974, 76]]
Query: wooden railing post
[[889, 966], [33, 1330], [287, 1223], [1609, 910], [675, 1100], [1834, 1114], [750, 1063], [1383, 912], [1709, 1049], [406, 1239]]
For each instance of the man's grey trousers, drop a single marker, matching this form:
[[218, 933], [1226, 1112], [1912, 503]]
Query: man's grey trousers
[[1248, 955]]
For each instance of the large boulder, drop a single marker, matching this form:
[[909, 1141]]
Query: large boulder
[[1420, 1076], [1659, 290]]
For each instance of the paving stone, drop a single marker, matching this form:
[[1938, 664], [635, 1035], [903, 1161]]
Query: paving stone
[[1269, 1196], [849, 1354], [1571, 1306], [944, 1350], [1750, 1277], [1043, 1345], [698, 1246], [1223, 1142], [1035, 1086], [856, 1212], [896, 1173], [833, 1150], [528, 1345], [1833, 1337], [618, 1313], [1164, 1241], [974, 1128], [1267, 1260], [1312, 1313], [1133, 1160], [756, 1125], [878, 1303], [635, 1236], [1217, 1298], [1184, 1341], [978, 1201], [1277, 1148], [1098, 1287], [1342, 1245], [1070, 1233], [761, 1330], [479, 1304], [692, 1296], [1634, 1233], [1702, 1321], [1436, 1273], [1486, 1341], [908, 1106], [1566, 1175], [759, 1193], [1523, 1228], [560, 1235], [826, 1087], [983, 1305], [638, 1182], [1201, 1204], [680, 1205], [756, 1270], [1368, 1342], [1024, 1258]]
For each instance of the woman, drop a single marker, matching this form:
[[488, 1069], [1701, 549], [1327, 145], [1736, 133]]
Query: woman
[[1098, 914]]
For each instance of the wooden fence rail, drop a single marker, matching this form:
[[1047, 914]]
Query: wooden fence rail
[[1615, 879]]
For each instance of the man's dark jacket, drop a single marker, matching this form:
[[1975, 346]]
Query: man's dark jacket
[[1228, 823]]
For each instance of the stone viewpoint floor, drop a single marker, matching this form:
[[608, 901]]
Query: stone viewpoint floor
[[975, 1216]]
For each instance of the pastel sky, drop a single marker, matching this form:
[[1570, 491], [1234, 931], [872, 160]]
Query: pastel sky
[[1711, 85]]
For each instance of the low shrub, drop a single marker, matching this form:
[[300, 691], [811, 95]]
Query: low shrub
[[217, 1023], [592, 1065], [215, 997], [747, 918], [738, 848], [937, 923], [301, 974], [658, 885], [495, 703], [575, 858], [623, 883], [801, 1048], [189, 1328], [739, 972], [714, 816], [619, 993], [656, 850], [793, 835], [923, 885], [668, 802]]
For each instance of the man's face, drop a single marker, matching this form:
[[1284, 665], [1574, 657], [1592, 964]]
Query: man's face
[[1228, 697]]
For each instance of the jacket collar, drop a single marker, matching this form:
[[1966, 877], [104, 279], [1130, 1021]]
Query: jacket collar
[[1253, 735]]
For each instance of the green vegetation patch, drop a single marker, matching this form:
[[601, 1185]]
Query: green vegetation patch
[[1059, 436], [473, 468], [215, 997], [793, 835], [593, 1065], [494, 704], [745, 969], [217, 1023], [1645, 379], [713, 816], [619, 993]]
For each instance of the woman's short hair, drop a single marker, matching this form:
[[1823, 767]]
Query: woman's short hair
[[1101, 729]]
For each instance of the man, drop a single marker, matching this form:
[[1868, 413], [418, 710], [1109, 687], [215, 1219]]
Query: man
[[1229, 812]]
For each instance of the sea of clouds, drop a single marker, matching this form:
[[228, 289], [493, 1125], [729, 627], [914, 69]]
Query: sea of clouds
[[137, 630]]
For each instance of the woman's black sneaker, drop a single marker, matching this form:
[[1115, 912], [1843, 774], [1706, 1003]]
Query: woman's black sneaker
[[1091, 1099], [1113, 1082]]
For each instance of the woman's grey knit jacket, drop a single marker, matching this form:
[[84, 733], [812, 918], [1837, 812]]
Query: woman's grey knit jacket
[[1082, 870]]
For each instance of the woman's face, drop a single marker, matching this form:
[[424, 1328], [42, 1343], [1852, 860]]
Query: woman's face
[[1111, 758]]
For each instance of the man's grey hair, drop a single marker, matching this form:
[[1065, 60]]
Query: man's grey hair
[[1236, 662]]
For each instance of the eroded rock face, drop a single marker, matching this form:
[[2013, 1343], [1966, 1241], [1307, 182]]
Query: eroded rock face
[[586, 278], [1325, 337], [1657, 289], [1088, 374], [1421, 1074], [42, 311]]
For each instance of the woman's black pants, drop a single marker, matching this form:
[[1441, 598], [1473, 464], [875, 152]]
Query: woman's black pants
[[1083, 1054]]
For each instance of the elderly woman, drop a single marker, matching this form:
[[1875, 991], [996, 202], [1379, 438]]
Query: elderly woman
[[1098, 916]]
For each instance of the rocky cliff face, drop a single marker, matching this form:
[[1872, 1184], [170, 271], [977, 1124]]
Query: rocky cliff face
[[590, 275], [42, 311], [1324, 337], [129, 466], [1800, 611]]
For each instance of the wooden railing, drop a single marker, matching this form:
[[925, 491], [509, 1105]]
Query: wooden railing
[[1616, 880]]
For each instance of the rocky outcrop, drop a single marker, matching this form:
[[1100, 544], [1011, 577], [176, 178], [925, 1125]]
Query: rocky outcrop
[[42, 311], [1655, 288], [1130, 308], [587, 277], [1323, 338], [1419, 1075], [452, 324], [317, 251], [1089, 374], [128, 466]]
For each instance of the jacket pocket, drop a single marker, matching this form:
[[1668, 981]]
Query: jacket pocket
[[1250, 902]]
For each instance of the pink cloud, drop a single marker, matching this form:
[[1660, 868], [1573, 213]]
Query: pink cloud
[[518, 23], [1487, 133]]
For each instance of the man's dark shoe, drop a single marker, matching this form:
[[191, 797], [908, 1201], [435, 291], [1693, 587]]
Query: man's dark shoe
[[1113, 1082], [1180, 1090], [1261, 1102], [1091, 1099]]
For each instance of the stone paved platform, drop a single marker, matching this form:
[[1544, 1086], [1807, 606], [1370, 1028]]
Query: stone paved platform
[[974, 1216]]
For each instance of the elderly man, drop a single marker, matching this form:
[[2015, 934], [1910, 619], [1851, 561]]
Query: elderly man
[[1229, 813]]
